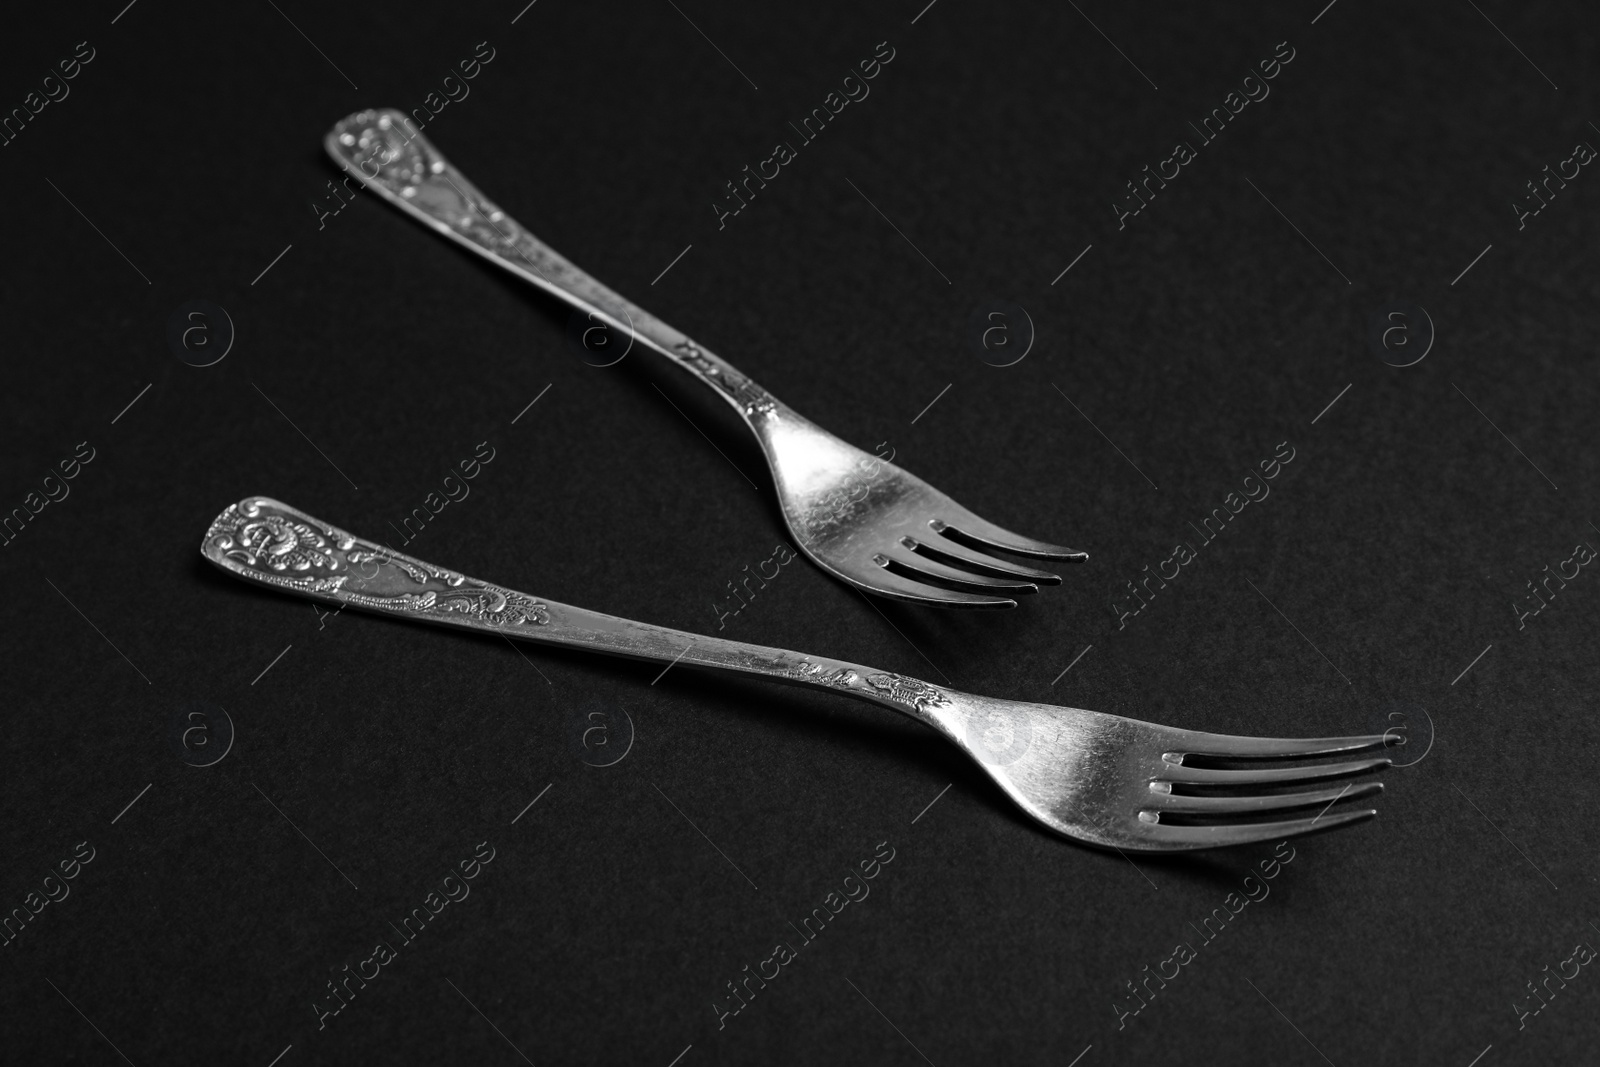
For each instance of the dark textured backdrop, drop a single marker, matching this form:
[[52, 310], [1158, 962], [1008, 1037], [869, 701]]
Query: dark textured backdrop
[[1219, 322]]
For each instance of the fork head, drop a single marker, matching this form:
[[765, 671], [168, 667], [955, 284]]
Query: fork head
[[1126, 784], [881, 529]]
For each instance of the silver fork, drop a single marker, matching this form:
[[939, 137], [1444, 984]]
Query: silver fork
[[1098, 778], [858, 517]]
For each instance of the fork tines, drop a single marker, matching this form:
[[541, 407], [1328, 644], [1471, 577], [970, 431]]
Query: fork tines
[[953, 564], [1188, 802]]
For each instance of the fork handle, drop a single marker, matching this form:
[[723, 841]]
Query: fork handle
[[270, 543], [381, 150]]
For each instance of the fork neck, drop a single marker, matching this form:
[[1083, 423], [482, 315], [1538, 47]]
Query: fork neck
[[582, 628]]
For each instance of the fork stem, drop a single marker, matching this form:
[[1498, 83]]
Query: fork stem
[[382, 150], [270, 543]]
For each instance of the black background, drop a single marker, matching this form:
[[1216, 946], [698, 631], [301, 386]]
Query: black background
[[1197, 338]]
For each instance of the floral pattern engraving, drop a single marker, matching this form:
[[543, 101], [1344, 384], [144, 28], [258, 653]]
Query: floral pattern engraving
[[497, 607], [750, 396], [909, 691], [912, 691], [420, 572], [266, 542], [842, 678], [393, 157], [276, 542]]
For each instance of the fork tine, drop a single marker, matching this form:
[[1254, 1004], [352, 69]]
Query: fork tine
[[1176, 772], [1227, 746], [909, 565], [887, 583], [1165, 801], [1248, 833], [965, 524], [954, 553]]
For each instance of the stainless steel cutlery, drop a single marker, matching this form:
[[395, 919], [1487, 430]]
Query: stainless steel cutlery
[[858, 517], [1102, 779], [1099, 778]]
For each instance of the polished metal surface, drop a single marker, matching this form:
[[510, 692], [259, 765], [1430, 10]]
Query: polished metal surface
[[1099, 778], [858, 517]]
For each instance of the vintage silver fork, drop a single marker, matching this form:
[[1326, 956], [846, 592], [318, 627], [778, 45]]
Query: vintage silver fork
[[858, 517], [1099, 778]]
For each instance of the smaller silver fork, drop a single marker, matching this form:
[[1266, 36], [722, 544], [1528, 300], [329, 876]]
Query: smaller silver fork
[[1103, 779], [858, 517]]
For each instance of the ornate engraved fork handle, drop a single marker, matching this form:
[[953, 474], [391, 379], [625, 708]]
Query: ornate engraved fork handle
[[388, 156], [272, 544]]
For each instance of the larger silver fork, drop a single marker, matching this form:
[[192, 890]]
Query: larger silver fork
[[1098, 778], [858, 517]]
